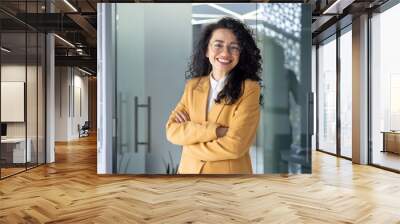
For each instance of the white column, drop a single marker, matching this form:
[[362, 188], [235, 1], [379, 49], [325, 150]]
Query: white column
[[50, 99], [105, 88], [360, 90]]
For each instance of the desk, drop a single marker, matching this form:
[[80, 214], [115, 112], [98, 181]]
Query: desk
[[15, 148], [391, 141]]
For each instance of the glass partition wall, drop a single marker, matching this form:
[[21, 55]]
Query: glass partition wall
[[13, 110], [22, 87]]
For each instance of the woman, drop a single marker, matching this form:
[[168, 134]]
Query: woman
[[217, 117]]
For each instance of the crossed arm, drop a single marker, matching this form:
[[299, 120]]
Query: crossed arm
[[183, 116], [210, 142], [182, 131]]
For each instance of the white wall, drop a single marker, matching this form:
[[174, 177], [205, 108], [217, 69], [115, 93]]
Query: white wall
[[33, 125], [69, 82], [79, 115], [12, 73], [61, 103]]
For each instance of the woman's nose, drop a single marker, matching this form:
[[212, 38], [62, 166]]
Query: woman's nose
[[225, 51]]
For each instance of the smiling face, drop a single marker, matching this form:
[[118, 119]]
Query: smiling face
[[223, 52]]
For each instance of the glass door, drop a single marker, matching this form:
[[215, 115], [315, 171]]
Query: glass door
[[130, 73], [151, 59]]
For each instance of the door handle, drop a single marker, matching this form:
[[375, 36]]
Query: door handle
[[137, 106]]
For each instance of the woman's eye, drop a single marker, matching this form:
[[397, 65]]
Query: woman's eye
[[218, 45], [236, 48]]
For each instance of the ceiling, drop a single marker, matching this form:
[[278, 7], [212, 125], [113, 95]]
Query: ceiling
[[75, 21]]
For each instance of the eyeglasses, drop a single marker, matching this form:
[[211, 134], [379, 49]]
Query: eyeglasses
[[218, 47]]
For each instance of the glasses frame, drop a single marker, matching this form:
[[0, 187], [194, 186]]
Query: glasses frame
[[230, 48]]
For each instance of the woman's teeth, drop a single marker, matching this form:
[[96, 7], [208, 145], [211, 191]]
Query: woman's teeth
[[223, 61]]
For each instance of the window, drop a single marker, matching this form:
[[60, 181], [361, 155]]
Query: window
[[346, 93], [327, 96], [385, 89]]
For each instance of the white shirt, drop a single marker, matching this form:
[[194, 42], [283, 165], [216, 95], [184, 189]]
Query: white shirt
[[215, 88]]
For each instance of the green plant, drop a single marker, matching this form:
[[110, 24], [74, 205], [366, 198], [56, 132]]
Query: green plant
[[169, 166]]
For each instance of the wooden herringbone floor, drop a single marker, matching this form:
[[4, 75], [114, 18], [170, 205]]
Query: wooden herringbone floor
[[70, 191]]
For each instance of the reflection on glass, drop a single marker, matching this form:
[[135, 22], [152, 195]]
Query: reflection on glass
[[283, 40], [282, 22], [346, 94], [327, 96], [385, 89]]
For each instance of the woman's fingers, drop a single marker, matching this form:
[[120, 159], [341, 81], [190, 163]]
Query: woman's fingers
[[186, 115], [225, 131], [221, 131], [181, 117], [177, 118]]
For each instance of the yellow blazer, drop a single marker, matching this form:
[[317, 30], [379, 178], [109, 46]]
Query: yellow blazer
[[203, 152]]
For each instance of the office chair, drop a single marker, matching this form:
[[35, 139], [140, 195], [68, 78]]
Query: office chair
[[84, 130]]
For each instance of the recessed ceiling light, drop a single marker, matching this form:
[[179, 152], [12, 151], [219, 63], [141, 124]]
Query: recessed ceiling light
[[337, 7], [70, 5], [5, 50], [64, 40], [84, 71]]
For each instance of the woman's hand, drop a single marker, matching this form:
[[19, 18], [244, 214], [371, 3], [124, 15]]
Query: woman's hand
[[221, 131], [181, 117]]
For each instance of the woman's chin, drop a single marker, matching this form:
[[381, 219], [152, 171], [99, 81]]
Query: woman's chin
[[223, 70]]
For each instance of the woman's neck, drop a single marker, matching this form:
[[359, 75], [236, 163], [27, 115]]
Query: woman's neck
[[218, 75]]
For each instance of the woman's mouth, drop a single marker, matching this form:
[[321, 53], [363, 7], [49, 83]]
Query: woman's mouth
[[224, 61]]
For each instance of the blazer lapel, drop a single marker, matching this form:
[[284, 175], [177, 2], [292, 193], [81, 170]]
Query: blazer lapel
[[201, 98], [215, 111], [201, 101]]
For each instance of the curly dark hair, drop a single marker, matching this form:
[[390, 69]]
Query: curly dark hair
[[248, 67]]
